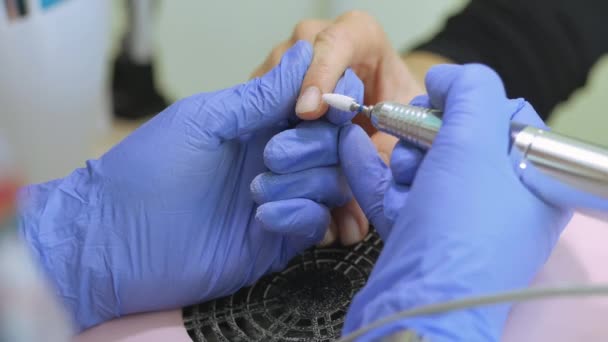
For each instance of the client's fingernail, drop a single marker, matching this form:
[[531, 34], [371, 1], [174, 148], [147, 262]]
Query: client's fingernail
[[309, 101], [349, 229], [330, 235]]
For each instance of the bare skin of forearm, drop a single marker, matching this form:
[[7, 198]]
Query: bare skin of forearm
[[419, 63]]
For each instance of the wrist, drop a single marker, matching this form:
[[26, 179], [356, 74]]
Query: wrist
[[55, 220], [32, 201]]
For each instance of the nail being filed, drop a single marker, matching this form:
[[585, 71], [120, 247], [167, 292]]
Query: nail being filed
[[345, 103]]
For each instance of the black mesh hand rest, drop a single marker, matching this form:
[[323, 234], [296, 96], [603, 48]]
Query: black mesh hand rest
[[305, 302]]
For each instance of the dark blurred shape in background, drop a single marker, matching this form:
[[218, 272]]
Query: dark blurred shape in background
[[134, 92]]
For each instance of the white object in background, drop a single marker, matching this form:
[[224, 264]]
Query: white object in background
[[29, 310], [53, 98], [140, 35]]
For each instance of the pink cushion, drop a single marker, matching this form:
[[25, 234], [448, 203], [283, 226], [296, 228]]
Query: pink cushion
[[581, 257]]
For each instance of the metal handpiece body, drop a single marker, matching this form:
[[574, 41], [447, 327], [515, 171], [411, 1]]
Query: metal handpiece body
[[578, 164]]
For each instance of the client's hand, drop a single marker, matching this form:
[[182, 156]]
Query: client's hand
[[357, 41]]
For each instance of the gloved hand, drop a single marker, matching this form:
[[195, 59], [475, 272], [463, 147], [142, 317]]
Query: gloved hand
[[304, 181], [166, 217], [304, 165], [467, 226], [354, 39]]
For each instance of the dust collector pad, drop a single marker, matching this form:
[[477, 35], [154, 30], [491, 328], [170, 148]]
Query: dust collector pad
[[305, 302]]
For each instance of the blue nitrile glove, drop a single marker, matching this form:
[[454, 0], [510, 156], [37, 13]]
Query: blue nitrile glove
[[468, 225], [305, 177], [166, 217], [305, 180]]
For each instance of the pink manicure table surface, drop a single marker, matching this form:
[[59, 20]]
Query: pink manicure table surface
[[581, 256]]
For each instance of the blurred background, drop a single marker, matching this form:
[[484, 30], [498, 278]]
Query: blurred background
[[57, 70]]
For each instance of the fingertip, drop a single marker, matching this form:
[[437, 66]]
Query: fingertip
[[421, 101], [475, 107], [352, 225], [405, 161], [482, 75], [256, 188], [330, 234], [350, 233], [440, 71], [441, 80], [394, 200], [525, 114], [309, 103], [276, 156], [438, 81], [297, 217], [350, 85], [309, 116], [329, 62]]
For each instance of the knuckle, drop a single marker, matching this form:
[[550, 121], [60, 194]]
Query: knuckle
[[255, 190], [308, 29], [331, 36], [365, 21], [321, 68]]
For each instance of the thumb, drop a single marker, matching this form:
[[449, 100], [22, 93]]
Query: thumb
[[474, 104], [366, 174], [260, 103]]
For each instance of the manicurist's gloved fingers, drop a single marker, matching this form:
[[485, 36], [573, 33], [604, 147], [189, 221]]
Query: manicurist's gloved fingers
[[469, 94], [302, 219], [367, 175], [310, 144], [394, 200], [405, 160], [263, 102], [350, 85], [324, 185]]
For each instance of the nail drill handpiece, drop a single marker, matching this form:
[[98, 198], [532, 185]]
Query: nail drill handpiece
[[578, 164]]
